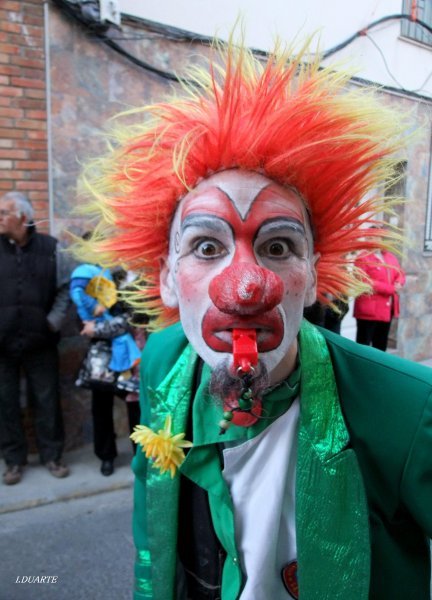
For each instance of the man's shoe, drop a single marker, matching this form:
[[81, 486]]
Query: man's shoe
[[107, 467], [57, 469], [12, 474]]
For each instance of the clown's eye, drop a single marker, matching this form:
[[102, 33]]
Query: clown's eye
[[209, 248], [276, 248]]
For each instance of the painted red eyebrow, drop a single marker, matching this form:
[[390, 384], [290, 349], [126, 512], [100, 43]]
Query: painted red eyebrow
[[213, 199]]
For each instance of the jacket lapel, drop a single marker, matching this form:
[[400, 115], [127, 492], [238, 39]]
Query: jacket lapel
[[331, 511], [172, 397]]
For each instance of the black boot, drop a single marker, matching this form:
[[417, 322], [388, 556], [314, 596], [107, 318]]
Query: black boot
[[107, 467]]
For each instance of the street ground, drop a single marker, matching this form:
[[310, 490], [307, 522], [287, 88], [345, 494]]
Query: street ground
[[85, 543]]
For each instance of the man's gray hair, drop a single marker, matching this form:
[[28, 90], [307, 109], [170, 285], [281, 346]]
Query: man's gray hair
[[22, 204]]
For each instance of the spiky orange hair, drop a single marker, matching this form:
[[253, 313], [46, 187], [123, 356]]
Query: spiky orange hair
[[288, 119]]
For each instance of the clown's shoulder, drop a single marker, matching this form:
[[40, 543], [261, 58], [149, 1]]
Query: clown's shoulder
[[387, 405], [370, 373], [377, 389]]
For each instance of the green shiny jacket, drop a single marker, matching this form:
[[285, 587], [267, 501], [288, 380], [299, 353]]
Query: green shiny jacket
[[364, 473]]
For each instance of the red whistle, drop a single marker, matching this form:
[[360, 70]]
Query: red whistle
[[245, 349]]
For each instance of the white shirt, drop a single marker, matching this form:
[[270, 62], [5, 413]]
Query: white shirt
[[260, 474]]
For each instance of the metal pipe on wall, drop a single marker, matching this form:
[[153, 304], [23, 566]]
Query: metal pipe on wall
[[48, 119]]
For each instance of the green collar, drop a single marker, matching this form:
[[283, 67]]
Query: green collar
[[207, 412]]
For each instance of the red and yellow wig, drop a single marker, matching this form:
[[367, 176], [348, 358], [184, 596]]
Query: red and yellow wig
[[288, 119]]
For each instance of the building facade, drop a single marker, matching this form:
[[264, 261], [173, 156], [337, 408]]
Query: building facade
[[64, 73]]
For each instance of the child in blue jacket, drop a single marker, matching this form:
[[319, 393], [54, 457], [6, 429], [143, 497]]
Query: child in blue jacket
[[93, 292]]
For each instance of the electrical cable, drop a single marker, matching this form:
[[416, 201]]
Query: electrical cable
[[372, 25], [72, 9], [137, 61], [402, 87]]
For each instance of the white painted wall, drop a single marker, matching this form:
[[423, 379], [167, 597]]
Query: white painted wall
[[409, 63]]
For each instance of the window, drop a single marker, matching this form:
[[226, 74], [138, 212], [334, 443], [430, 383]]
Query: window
[[410, 29], [396, 188], [428, 233]]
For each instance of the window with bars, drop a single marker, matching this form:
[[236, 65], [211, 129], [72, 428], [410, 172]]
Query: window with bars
[[412, 30]]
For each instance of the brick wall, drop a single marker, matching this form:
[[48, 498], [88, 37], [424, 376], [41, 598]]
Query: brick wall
[[23, 129]]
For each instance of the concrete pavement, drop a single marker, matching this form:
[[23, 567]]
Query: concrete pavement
[[38, 487]]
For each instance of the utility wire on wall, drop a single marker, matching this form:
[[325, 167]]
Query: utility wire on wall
[[98, 30], [365, 31], [85, 12]]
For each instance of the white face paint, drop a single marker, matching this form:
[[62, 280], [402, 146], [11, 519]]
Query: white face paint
[[245, 223]]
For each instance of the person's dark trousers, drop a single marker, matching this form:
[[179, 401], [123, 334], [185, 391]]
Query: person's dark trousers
[[104, 437], [134, 416], [373, 333], [41, 370]]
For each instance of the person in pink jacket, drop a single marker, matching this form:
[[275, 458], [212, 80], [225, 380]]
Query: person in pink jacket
[[374, 312]]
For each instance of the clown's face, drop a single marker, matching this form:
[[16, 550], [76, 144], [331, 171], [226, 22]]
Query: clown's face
[[241, 257]]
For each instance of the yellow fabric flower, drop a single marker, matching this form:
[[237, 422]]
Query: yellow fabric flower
[[164, 448]]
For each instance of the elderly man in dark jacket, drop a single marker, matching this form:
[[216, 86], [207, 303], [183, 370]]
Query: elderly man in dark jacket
[[33, 304]]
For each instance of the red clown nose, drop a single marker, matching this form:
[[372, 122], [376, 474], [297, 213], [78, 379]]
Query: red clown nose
[[246, 289]]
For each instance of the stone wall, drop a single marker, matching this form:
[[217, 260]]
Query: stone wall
[[414, 335]]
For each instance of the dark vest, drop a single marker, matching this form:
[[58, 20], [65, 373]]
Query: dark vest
[[28, 290]]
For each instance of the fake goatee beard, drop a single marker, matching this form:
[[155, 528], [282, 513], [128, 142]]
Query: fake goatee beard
[[223, 384]]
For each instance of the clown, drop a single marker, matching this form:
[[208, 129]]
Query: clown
[[277, 459]]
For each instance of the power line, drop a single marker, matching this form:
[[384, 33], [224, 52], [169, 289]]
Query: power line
[[372, 25], [99, 31]]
